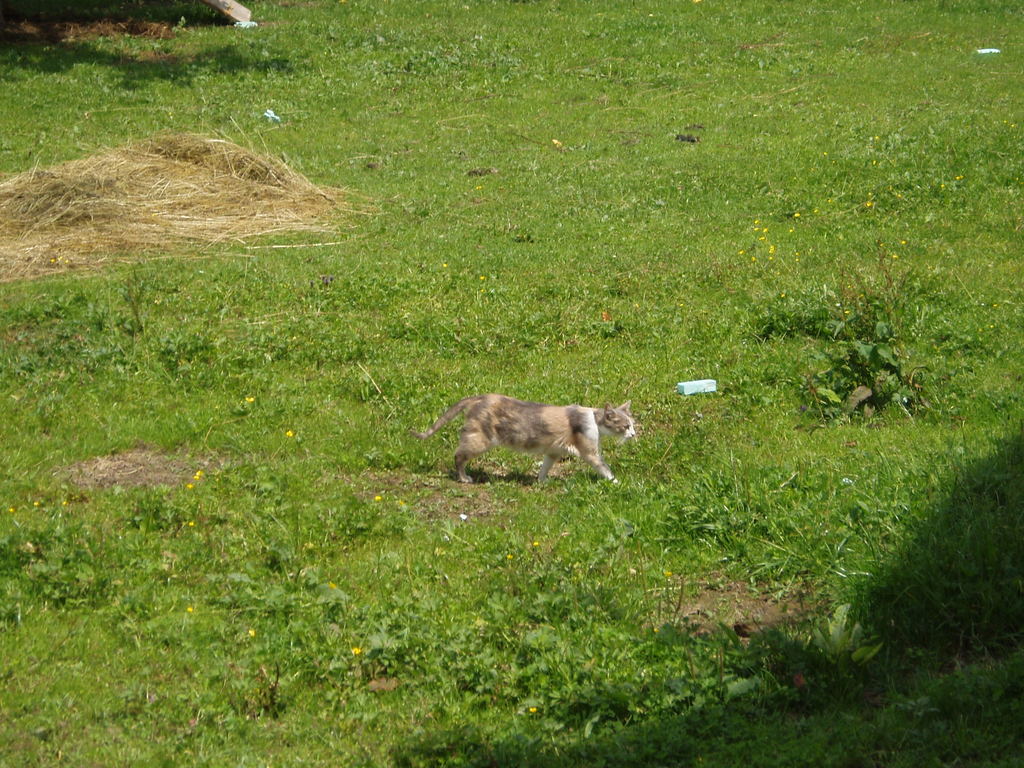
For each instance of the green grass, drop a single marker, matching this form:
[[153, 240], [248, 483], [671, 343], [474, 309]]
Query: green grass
[[850, 216]]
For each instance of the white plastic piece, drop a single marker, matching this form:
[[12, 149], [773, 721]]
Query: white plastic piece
[[989, 50], [696, 387], [246, 24], [269, 114]]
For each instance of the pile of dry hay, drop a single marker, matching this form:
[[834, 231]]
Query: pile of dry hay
[[147, 195]]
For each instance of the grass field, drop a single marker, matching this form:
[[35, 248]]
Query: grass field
[[219, 544]]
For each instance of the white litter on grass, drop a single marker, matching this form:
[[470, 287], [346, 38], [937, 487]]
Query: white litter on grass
[[246, 24], [696, 387], [989, 50], [463, 517], [269, 114]]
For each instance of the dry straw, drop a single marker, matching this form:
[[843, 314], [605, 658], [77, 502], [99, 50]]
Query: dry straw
[[139, 199]]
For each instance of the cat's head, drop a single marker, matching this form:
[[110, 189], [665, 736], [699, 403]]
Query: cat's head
[[618, 421]]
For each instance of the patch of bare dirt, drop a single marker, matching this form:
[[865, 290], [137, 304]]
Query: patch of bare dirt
[[157, 57], [434, 497], [714, 602], [140, 467], [69, 31]]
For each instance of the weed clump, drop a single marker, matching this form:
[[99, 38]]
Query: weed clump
[[865, 364]]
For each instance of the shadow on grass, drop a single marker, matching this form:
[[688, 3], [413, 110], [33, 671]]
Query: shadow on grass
[[42, 37], [972, 717], [85, 11], [483, 477], [954, 588]]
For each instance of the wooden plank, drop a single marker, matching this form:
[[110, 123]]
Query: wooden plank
[[231, 9]]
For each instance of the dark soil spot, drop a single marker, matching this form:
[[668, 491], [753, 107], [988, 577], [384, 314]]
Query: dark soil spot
[[67, 31], [707, 605], [157, 57]]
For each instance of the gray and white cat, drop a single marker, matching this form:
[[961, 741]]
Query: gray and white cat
[[553, 431]]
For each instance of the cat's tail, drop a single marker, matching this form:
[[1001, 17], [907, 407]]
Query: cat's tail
[[447, 416]]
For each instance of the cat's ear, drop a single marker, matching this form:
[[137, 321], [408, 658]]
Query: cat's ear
[[625, 406], [608, 407]]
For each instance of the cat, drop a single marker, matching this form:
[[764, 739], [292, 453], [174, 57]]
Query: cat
[[553, 431]]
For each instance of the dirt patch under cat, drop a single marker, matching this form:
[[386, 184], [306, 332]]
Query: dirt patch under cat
[[434, 497], [143, 466]]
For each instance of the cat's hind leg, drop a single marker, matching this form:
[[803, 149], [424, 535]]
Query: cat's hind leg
[[462, 458], [471, 445]]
